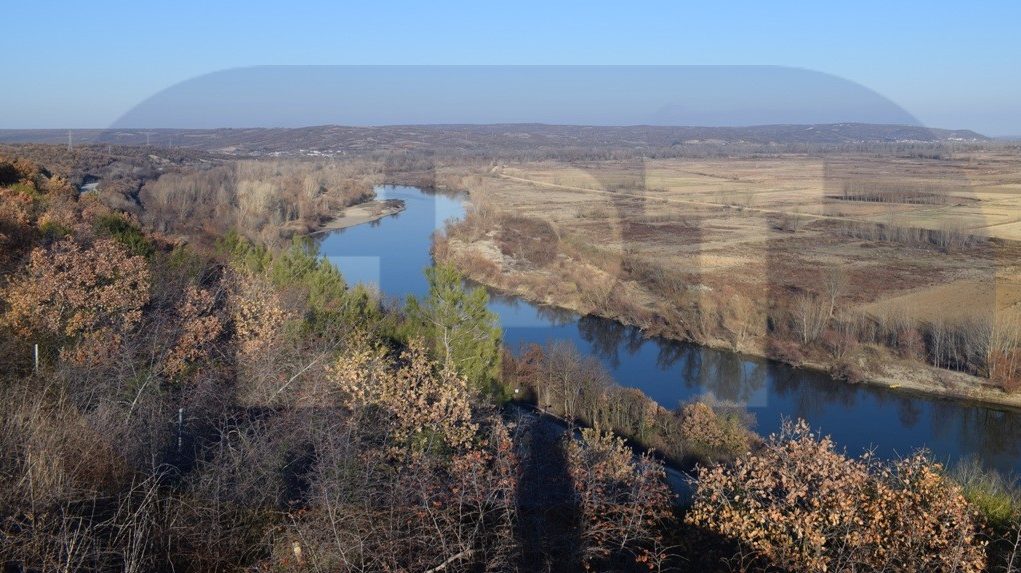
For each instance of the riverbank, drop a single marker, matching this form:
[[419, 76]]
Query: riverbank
[[360, 213], [859, 417], [484, 263]]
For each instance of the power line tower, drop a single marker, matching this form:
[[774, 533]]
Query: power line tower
[[69, 146]]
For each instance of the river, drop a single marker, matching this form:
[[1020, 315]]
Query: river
[[393, 252]]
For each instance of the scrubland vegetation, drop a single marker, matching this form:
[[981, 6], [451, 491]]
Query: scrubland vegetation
[[238, 406], [201, 196], [268, 200], [123, 170]]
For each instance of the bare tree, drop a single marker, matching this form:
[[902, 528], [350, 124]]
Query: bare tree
[[810, 317], [834, 285]]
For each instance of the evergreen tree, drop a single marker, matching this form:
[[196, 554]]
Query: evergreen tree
[[464, 333]]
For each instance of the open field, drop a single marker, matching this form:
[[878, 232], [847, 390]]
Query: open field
[[782, 256], [979, 193]]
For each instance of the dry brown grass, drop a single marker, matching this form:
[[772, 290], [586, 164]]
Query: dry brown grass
[[721, 250]]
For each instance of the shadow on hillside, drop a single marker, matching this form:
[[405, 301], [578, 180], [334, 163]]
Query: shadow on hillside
[[548, 515]]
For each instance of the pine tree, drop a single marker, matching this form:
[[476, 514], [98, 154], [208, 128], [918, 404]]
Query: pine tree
[[464, 333]]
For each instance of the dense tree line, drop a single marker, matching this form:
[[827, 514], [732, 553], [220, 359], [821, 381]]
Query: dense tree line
[[268, 200]]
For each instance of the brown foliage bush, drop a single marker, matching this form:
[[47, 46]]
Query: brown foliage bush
[[422, 401], [88, 297], [712, 435], [786, 351], [16, 217], [200, 325], [799, 505], [256, 312]]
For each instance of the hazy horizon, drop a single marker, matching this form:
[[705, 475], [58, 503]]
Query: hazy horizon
[[516, 124], [362, 96]]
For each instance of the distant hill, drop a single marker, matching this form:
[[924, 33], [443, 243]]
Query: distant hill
[[332, 140]]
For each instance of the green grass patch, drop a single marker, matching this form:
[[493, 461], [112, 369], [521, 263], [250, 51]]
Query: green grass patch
[[125, 233]]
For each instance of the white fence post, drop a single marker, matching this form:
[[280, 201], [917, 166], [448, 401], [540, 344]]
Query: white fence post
[[180, 428]]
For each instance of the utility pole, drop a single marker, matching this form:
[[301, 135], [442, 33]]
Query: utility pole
[[35, 362]]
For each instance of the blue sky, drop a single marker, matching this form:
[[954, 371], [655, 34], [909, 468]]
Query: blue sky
[[83, 64]]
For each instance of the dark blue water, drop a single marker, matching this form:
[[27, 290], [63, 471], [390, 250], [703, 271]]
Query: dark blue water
[[393, 252]]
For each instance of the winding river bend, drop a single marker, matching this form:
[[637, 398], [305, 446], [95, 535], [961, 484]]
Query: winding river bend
[[393, 252]]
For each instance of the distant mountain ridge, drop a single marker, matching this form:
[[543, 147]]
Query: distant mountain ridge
[[333, 139]]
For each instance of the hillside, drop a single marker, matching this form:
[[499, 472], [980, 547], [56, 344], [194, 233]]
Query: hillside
[[172, 407], [340, 140]]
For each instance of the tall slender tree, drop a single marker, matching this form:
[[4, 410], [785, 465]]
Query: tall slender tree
[[464, 333]]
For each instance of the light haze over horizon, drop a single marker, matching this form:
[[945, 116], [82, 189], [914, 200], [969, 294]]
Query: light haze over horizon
[[86, 65], [296, 96]]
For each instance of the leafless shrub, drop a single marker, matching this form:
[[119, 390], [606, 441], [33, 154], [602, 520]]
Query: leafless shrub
[[1005, 354], [742, 319], [624, 501], [895, 192], [790, 222], [810, 315], [596, 213], [834, 283], [526, 239], [896, 329], [849, 329], [946, 238], [366, 512], [480, 218], [652, 275], [959, 344]]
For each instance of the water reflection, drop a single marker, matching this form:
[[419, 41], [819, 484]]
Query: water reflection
[[547, 315], [908, 412], [858, 417]]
